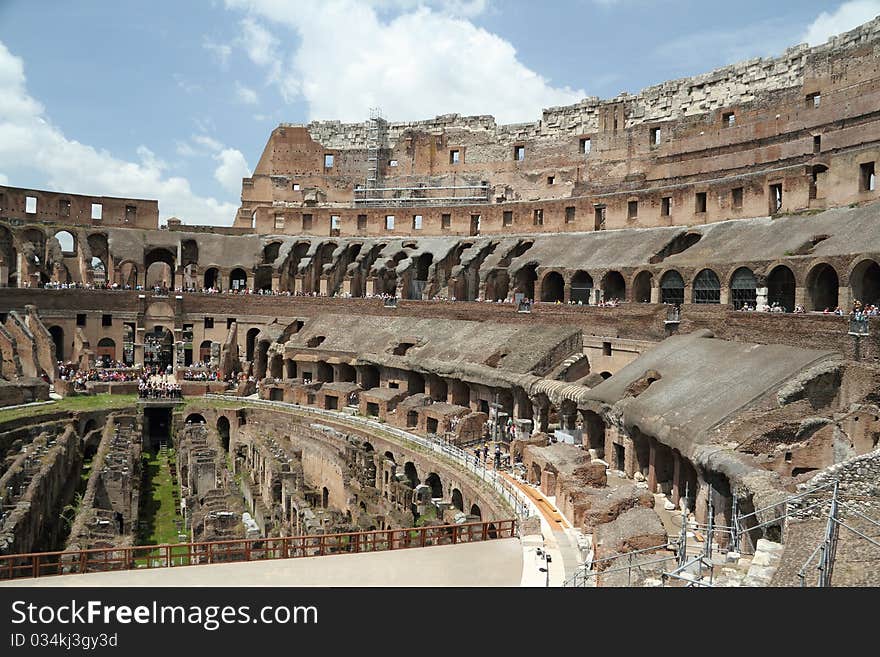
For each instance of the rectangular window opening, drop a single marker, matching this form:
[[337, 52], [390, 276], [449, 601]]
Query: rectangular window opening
[[362, 222], [570, 214], [209, 322], [700, 202], [507, 219], [328, 161], [279, 221], [632, 209], [130, 213], [97, 211], [81, 319], [30, 204], [736, 197], [63, 208], [817, 143], [106, 320], [551, 180], [334, 222], [417, 222], [813, 100], [599, 218], [538, 217], [445, 221], [606, 348], [454, 156], [392, 163], [586, 145], [389, 222], [775, 198], [728, 120], [867, 179], [296, 187], [307, 221], [519, 153], [655, 136], [229, 322], [665, 206]]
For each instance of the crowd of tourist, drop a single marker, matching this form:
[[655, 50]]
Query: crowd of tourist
[[153, 389], [198, 373], [111, 372]]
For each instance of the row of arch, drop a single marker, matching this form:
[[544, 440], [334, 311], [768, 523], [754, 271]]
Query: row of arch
[[822, 286]]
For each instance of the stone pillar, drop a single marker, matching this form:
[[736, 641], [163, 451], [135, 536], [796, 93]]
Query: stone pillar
[[541, 417], [655, 295], [630, 461], [725, 295], [652, 465], [325, 285], [566, 291], [761, 297], [276, 281], [371, 286], [299, 283], [345, 289], [843, 298], [800, 297], [701, 498]]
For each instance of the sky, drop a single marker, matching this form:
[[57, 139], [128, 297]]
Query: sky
[[174, 100]]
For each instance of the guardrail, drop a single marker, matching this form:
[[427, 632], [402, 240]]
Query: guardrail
[[99, 560], [522, 506]]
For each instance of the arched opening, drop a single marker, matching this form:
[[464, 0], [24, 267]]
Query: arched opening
[[475, 511], [613, 286], [158, 345], [250, 343], [457, 499], [57, 334], [497, 285], [223, 430], [823, 285], [237, 279], [525, 280], [99, 270], [865, 282], [780, 288], [553, 287], [436, 486], [270, 252], [581, 287], [205, 351], [642, 287], [815, 171], [412, 419], [195, 418], [743, 288], [325, 497], [67, 242], [8, 257], [672, 288], [605, 375], [263, 278], [106, 350], [411, 474], [291, 368], [324, 372], [461, 393], [212, 276], [159, 275], [420, 280], [707, 287], [369, 375], [276, 367], [189, 252]]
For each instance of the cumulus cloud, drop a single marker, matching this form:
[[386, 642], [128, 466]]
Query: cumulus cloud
[[245, 94], [232, 168], [28, 139], [428, 60], [844, 18]]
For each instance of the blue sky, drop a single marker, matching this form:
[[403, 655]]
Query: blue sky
[[175, 100]]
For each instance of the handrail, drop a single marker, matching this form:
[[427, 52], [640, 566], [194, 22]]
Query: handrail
[[136, 557]]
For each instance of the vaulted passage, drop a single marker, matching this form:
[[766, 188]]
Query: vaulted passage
[[823, 284], [780, 287]]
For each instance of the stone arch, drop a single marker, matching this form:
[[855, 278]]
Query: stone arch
[[158, 255], [641, 288], [535, 474], [581, 287], [525, 280], [864, 281], [205, 351], [238, 279], [435, 484], [128, 274], [106, 349], [822, 287], [411, 473], [475, 511], [457, 499], [743, 288], [781, 287], [189, 252], [67, 242], [270, 252], [552, 287], [672, 288], [211, 278], [223, 430], [195, 418], [594, 434], [706, 288], [613, 286]]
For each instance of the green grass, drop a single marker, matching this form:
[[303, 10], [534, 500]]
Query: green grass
[[78, 403], [158, 511]]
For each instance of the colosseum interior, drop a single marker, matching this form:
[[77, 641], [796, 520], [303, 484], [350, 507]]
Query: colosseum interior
[[638, 338]]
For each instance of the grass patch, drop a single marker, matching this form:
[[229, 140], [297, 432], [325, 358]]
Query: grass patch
[[157, 521], [71, 404]]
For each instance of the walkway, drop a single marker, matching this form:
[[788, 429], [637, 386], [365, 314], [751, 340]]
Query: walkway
[[486, 563]]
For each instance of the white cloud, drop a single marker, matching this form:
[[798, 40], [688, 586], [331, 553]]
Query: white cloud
[[208, 142], [844, 18], [426, 61], [245, 94], [29, 141], [221, 51], [232, 168]]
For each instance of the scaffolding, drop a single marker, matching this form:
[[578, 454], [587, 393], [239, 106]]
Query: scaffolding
[[375, 134]]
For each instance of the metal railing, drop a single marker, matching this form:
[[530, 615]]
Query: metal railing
[[98, 560], [520, 503], [585, 576]]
